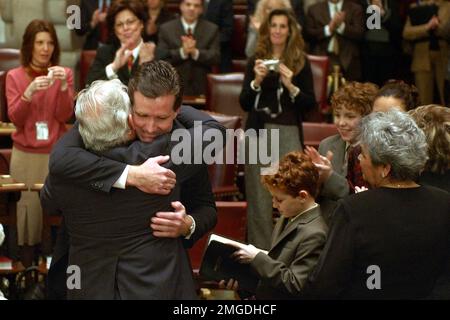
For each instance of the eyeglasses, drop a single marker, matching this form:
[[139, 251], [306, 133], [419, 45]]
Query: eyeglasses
[[126, 23]]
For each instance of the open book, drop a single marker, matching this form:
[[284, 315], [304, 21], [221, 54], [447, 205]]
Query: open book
[[217, 264]]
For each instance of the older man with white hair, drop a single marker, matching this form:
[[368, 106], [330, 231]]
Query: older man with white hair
[[110, 236]]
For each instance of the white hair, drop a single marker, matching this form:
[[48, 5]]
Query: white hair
[[102, 111], [394, 138]]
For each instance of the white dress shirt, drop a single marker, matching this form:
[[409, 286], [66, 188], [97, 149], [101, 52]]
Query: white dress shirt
[[186, 26], [110, 74], [332, 9]]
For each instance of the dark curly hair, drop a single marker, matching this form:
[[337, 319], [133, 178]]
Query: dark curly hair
[[137, 7], [296, 172], [434, 120], [399, 89], [355, 96]]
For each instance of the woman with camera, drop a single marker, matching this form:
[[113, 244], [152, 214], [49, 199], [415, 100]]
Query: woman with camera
[[277, 91], [40, 101]]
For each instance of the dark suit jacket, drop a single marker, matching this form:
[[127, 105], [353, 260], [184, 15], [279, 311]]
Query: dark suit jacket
[[164, 16], [105, 55], [87, 9], [349, 42], [193, 72], [293, 110], [294, 253], [336, 186], [220, 12], [111, 237], [405, 232]]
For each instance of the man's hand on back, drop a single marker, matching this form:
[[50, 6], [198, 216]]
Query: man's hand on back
[[150, 177], [172, 224]]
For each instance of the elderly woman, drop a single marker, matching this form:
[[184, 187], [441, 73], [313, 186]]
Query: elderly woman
[[434, 120], [389, 242], [298, 237], [263, 8], [40, 101], [276, 98], [396, 94], [120, 59]]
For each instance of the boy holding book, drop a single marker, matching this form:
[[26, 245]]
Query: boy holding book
[[298, 237]]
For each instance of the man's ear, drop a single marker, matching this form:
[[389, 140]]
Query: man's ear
[[130, 121], [386, 169], [303, 195]]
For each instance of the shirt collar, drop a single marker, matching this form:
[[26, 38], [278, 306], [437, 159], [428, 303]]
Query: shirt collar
[[187, 25], [339, 5], [137, 49], [292, 219]]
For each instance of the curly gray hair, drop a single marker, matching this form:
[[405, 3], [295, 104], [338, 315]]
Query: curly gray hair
[[102, 111], [394, 138]]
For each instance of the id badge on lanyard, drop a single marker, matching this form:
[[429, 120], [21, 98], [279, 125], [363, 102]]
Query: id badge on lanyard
[[41, 130]]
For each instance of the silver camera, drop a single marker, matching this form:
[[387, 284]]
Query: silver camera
[[272, 65]]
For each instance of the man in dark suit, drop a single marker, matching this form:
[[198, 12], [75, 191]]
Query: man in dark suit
[[382, 47], [93, 23], [220, 12], [110, 238], [335, 28], [192, 45]]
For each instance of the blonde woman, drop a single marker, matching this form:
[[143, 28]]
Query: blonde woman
[[434, 120]]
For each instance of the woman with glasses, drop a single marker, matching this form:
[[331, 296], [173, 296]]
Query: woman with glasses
[[277, 91], [118, 60]]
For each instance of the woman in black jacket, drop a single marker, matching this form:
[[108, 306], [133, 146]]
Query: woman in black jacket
[[277, 91]]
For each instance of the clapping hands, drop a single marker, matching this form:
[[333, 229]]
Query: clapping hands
[[322, 163]]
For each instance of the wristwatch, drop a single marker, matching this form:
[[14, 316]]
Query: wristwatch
[[191, 228]]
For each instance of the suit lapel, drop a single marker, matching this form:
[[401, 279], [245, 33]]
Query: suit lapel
[[338, 149], [280, 235], [278, 229], [326, 16], [179, 30], [198, 29]]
